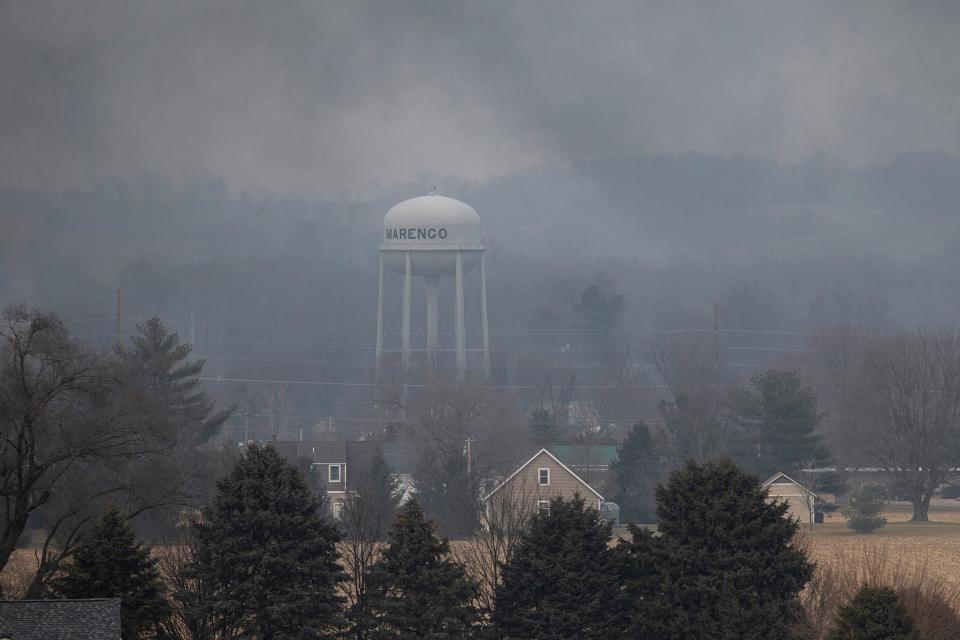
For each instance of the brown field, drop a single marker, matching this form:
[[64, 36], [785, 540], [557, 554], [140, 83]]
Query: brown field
[[933, 547]]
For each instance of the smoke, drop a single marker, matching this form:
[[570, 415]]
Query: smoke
[[314, 98]]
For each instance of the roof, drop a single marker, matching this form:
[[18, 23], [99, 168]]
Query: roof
[[777, 476], [534, 457], [89, 619], [356, 454], [586, 454]]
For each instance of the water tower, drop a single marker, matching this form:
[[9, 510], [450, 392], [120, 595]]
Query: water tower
[[431, 237]]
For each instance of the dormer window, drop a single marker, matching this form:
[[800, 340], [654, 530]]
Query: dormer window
[[334, 473]]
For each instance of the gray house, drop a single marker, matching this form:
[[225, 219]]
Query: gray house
[[91, 619], [336, 465]]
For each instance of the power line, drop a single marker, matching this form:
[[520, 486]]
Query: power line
[[338, 383]]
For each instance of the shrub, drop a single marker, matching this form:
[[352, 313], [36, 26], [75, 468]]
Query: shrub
[[930, 597], [863, 509], [875, 613]]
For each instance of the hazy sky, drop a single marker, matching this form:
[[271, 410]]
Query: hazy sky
[[306, 97]]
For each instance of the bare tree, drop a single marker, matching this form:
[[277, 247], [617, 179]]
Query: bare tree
[[556, 391], [76, 438], [506, 515], [693, 417], [58, 413], [277, 404], [906, 412], [364, 521], [466, 435], [175, 562]]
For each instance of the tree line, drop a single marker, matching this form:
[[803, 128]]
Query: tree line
[[83, 430], [264, 561]]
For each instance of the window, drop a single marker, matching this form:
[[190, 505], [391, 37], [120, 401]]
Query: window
[[336, 508], [543, 477], [543, 507], [334, 473]]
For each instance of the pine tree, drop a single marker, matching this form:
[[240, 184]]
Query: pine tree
[[560, 581], [864, 509], [599, 305], [415, 590], [267, 554], [110, 563], [779, 420], [724, 558], [875, 613], [157, 360], [634, 473]]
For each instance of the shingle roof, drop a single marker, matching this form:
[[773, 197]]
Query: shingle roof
[[93, 619]]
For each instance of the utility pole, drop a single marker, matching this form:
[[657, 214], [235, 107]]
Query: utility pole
[[716, 334], [246, 424], [118, 315], [469, 454]]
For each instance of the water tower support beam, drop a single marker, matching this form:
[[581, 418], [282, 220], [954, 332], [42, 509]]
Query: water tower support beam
[[407, 287], [432, 286], [379, 323], [461, 342], [484, 330]]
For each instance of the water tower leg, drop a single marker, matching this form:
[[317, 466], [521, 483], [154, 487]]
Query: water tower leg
[[432, 285], [405, 337], [376, 375], [483, 317], [461, 342]]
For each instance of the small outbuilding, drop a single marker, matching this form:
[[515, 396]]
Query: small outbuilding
[[87, 619], [800, 500]]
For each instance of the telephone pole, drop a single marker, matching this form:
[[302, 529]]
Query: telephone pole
[[468, 451], [118, 315], [716, 334]]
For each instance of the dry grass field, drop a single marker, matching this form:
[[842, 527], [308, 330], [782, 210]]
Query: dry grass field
[[934, 546]]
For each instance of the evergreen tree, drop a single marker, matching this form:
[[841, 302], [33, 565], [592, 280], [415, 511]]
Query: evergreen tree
[[725, 565], [157, 359], [875, 613], [778, 417], [267, 555], [110, 563], [560, 580], [634, 473], [449, 495], [864, 509], [599, 306], [415, 591]]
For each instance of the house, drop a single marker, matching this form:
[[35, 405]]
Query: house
[[589, 461], [336, 466], [535, 483], [801, 501], [89, 619]]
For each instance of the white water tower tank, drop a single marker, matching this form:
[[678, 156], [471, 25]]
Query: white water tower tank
[[433, 236], [433, 228]]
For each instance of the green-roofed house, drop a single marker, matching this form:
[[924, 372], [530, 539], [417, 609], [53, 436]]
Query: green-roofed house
[[589, 461]]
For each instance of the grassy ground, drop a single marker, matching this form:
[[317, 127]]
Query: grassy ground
[[933, 545]]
